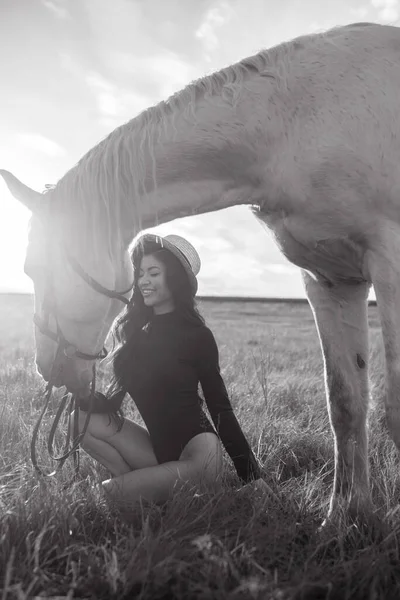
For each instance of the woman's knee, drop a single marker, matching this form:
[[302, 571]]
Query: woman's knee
[[131, 441], [204, 452]]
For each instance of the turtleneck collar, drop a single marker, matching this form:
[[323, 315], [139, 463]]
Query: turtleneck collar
[[165, 317]]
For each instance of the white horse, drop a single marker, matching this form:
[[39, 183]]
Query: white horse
[[308, 134]]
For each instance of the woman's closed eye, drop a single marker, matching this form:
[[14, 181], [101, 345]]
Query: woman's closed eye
[[150, 274]]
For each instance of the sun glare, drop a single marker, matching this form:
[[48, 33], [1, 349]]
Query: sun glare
[[14, 220]]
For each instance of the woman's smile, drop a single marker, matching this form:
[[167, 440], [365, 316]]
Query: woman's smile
[[147, 292]]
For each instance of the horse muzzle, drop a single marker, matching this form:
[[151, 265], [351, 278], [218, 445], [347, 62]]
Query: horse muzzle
[[76, 375]]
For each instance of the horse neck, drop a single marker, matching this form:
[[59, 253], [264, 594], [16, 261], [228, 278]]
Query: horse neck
[[195, 163]]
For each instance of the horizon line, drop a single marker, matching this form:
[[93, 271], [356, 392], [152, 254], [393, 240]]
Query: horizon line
[[230, 298]]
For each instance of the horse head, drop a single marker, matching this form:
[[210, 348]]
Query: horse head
[[78, 289]]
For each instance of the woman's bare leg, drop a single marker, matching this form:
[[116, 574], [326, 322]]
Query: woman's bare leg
[[106, 455], [200, 462], [119, 451]]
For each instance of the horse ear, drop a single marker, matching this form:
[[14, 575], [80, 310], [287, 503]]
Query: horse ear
[[32, 200]]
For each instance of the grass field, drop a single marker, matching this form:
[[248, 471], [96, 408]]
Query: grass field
[[68, 542]]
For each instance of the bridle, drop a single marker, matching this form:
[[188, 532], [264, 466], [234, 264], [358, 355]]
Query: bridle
[[68, 401]]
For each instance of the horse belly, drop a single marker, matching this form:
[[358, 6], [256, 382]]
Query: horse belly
[[335, 258]]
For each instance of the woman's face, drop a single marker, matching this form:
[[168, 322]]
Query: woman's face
[[152, 284]]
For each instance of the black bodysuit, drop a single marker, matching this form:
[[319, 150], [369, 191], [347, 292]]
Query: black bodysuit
[[170, 358]]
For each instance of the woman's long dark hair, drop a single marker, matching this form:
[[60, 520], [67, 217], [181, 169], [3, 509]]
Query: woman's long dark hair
[[137, 315]]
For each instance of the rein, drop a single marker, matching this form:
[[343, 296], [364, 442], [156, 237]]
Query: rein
[[69, 402]]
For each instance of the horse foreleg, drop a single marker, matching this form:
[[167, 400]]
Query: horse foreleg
[[384, 270], [340, 313]]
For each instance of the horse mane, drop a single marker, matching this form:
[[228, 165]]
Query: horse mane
[[109, 178]]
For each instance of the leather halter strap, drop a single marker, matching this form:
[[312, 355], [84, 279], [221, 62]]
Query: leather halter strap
[[68, 349], [72, 442], [95, 284]]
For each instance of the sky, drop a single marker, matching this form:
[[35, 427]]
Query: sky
[[73, 70]]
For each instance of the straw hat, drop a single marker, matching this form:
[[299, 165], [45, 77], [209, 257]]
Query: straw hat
[[182, 249]]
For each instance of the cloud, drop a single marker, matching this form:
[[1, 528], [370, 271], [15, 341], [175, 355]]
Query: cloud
[[115, 104], [107, 100], [213, 20], [281, 269], [36, 141], [316, 27], [388, 10], [161, 74], [154, 78], [57, 7], [360, 12]]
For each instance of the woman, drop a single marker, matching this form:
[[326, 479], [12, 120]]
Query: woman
[[164, 351]]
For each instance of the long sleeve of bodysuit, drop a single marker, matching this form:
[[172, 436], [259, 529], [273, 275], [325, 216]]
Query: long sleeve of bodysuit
[[220, 408]]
